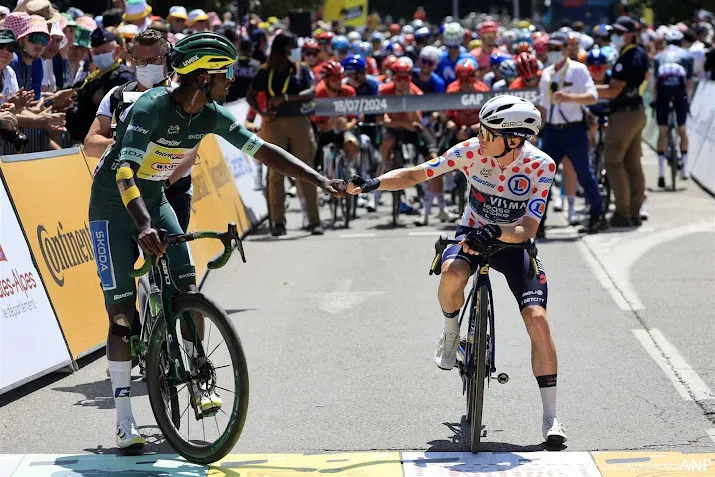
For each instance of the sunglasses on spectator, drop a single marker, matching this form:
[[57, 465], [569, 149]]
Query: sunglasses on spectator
[[597, 68], [487, 135], [157, 60], [228, 71], [40, 38], [427, 62]]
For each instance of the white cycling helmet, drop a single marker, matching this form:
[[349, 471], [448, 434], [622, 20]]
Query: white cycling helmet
[[673, 36], [511, 116], [354, 36], [432, 53], [453, 35], [408, 29]]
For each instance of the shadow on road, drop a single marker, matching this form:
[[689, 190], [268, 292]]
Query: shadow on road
[[461, 439], [99, 393]]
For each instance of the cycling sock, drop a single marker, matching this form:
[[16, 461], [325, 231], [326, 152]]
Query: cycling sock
[[120, 373], [571, 200], [547, 387], [684, 158], [377, 195], [440, 200], [451, 323], [661, 162], [428, 199]]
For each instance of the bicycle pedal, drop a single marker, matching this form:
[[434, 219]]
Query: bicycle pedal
[[501, 378]]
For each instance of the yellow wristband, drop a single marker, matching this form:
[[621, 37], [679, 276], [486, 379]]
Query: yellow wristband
[[130, 194], [125, 173]]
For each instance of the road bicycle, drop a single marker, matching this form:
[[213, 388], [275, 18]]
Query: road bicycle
[[170, 368], [476, 354], [599, 165], [672, 148], [337, 166]]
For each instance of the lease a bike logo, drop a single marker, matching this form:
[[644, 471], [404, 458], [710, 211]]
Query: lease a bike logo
[[3, 258], [64, 249], [537, 207], [519, 185], [495, 208]]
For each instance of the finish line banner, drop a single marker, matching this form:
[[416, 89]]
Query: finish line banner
[[396, 104]]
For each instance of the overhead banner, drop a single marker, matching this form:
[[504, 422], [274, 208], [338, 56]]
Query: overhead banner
[[397, 104], [51, 191], [244, 170], [31, 343]]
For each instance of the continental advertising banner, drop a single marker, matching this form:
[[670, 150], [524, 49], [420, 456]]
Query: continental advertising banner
[[51, 195], [31, 343]]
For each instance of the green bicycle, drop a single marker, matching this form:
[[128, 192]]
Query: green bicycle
[[174, 347]]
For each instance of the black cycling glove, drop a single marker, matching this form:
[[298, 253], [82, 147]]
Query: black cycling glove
[[478, 239]]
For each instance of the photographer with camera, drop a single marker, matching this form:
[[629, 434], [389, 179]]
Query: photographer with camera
[[566, 86]]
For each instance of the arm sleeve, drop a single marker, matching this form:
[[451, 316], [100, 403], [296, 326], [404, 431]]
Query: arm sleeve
[[458, 157], [541, 184], [231, 129], [136, 138]]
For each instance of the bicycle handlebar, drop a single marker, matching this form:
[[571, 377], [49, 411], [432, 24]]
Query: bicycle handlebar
[[227, 238], [442, 242]]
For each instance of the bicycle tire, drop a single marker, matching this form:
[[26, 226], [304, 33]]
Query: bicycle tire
[[396, 195], [479, 350], [673, 159], [604, 185], [205, 454]]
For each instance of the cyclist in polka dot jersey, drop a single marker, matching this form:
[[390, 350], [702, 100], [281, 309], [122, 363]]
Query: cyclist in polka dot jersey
[[510, 180]]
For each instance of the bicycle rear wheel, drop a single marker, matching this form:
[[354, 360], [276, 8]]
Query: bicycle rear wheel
[[199, 451], [477, 368]]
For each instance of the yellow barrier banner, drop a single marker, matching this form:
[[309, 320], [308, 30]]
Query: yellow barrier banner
[[51, 195], [216, 202], [349, 12]]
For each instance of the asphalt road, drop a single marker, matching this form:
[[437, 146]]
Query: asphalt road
[[340, 330]]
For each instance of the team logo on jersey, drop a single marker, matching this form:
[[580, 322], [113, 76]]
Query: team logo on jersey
[[167, 142], [456, 152], [519, 185], [481, 181], [173, 129], [537, 207], [546, 180]]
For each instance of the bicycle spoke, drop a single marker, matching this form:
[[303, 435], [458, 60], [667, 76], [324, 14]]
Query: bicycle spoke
[[224, 366], [224, 389], [177, 392], [212, 352]]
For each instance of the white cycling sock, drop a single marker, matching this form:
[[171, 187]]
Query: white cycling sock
[[451, 322], [120, 373], [440, 201], [547, 387], [684, 160], [661, 166], [571, 200]]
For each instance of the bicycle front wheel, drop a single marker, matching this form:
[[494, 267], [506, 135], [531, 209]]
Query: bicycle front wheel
[[477, 369], [198, 447]]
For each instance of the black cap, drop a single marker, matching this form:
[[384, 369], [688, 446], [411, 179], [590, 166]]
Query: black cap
[[245, 45], [100, 37], [558, 39], [625, 24], [7, 36]]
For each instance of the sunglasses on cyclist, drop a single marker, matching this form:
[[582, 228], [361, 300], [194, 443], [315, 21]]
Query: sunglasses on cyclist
[[427, 62], [597, 68], [228, 71], [487, 135], [39, 38]]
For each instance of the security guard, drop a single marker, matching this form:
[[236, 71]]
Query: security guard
[[626, 122], [566, 87]]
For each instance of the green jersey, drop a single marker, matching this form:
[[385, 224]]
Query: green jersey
[[157, 135]]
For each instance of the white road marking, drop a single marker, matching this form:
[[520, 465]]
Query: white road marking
[[365, 235], [711, 433], [342, 299], [616, 255], [686, 381], [602, 276]]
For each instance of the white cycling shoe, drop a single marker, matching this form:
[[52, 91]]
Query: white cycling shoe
[[208, 403], [553, 431], [128, 437], [446, 354]]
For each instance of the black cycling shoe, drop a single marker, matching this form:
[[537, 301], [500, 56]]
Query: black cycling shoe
[[661, 182], [278, 230], [595, 224], [621, 221]]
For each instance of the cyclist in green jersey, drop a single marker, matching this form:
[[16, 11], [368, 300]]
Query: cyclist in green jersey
[[128, 204]]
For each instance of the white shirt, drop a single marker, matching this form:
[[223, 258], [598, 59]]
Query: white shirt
[[500, 85], [697, 49], [9, 84], [573, 77], [48, 75]]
